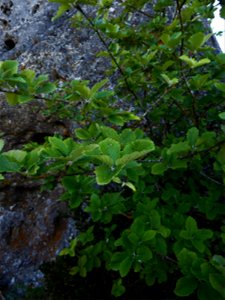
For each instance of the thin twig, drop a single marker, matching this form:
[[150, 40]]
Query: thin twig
[[107, 48]]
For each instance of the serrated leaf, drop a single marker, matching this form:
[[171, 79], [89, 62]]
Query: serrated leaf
[[194, 63], [59, 145], [17, 155], [170, 82], [111, 148], [8, 166], [82, 134], [104, 174], [125, 159], [185, 286], [109, 132], [178, 148], [105, 159], [139, 146]]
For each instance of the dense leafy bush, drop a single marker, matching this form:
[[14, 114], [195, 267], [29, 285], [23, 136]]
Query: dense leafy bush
[[145, 170]]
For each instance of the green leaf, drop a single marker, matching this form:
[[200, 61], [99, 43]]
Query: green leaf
[[149, 235], [179, 148], [59, 145], [125, 159], [222, 12], [82, 134], [61, 10], [109, 132], [1, 144], [170, 82], [194, 63], [125, 266], [197, 40], [46, 88], [192, 136], [220, 86], [191, 225], [104, 174], [117, 289], [130, 186], [7, 166], [17, 155], [159, 168], [144, 253], [111, 148], [222, 115], [14, 99], [206, 291], [140, 145], [186, 258], [8, 68], [98, 86], [217, 281], [105, 159], [185, 286]]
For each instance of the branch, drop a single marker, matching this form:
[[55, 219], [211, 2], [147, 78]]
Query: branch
[[107, 48]]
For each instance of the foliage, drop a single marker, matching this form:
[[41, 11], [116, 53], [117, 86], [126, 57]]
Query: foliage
[[146, 165]]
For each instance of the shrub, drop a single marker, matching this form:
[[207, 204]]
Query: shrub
[[145, 170]]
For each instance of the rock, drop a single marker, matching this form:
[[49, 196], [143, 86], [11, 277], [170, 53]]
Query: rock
[[34, 227]]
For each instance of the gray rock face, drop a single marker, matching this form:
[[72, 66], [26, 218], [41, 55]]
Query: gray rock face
[[55, 48], [34, 226]]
